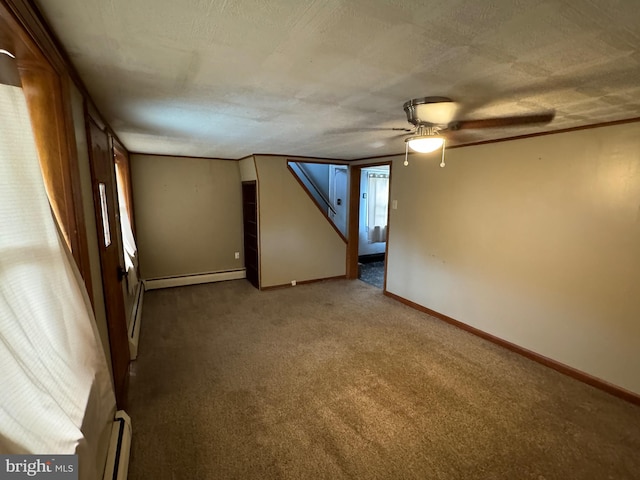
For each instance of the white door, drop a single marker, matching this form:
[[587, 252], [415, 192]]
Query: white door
[[338, 196]]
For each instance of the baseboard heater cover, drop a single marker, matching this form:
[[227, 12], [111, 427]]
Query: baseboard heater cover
[[136, 320], [181, 281], [117, 467]]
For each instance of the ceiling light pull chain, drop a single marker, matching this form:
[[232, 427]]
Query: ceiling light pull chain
[[444, 143], [406, 154]]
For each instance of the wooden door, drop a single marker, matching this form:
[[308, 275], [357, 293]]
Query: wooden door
[[105, 200], [250, 223]]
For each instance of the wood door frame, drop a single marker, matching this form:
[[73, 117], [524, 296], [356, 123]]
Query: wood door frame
[[353, 236], [112, 284], [121, 158], [46, 85]]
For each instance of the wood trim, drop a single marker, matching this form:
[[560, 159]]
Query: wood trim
[[315, 202], [517, 137], [111, 256], [122, 161], [96, 117], [255, 166], [303, 157], [550, 132], [30, 19], [373, 164], [353, 228], [302, 282], [389, 155], [48, 76], [355, 171], [531, 355], [386, 244], [82, 241], [37, 29], [321, 161], [46, 90], [294, 158], [187, 156]]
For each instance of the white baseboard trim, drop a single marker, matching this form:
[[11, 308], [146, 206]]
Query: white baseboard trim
[[117, 466], [136, 322], [155, 283]]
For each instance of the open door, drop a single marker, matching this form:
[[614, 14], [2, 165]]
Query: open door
[[111, 259]]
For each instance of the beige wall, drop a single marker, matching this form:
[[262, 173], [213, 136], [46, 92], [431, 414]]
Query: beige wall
[[188, 215], [296, 241], [536, 241], [248, 169]]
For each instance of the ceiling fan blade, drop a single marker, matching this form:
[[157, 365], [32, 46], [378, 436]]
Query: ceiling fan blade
[[500, 122], [404, 134], [370, 129]]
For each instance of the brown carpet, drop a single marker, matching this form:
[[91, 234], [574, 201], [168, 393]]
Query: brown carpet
[[335, 381]]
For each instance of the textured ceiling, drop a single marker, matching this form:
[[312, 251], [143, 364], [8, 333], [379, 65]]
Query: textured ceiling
[[229, 78]]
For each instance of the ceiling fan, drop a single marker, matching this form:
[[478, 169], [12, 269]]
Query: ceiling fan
[[433, 120]]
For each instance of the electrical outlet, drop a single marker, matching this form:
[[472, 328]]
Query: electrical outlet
[[237, 255], [293, 283]]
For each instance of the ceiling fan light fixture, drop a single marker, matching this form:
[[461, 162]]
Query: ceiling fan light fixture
[[425, 143]]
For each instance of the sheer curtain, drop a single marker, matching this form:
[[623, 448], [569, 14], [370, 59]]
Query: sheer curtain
[[378, 200], [56, 392], [128, 240]]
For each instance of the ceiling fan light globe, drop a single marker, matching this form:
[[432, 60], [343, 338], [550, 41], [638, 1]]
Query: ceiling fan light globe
[[425, 144]]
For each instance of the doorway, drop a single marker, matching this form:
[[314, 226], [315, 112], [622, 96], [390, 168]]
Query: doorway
[[368, 225], [372, 224], [250, 224]]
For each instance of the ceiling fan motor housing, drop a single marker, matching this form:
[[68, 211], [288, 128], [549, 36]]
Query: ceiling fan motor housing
[[430, 110]]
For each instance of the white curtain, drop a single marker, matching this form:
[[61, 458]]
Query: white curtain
[[56, 394], [128, 241], [377, 203]]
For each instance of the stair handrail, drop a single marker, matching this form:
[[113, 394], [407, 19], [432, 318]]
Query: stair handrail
[[315, 187]]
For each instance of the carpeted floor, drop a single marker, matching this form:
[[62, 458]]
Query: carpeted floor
[[335, 381]]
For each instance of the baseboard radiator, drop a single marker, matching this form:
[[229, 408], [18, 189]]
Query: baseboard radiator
[[135, 322], [117, 467], [184, 280]]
